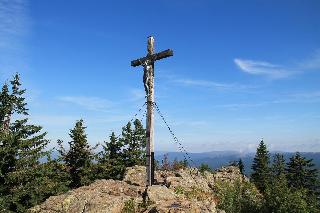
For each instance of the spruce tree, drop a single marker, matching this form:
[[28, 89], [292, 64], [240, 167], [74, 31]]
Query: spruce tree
[[79, 157], [111, 160], [21, 148], [279, 165], [302, 174], [134, 141], [260, 167], [282, 198], [241, 166]]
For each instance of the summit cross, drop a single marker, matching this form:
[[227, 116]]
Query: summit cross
[[148, 79]]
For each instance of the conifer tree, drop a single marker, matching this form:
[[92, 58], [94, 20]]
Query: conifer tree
[[302, 174], [135, 143], [21, 148], [260, 167], [281, 198], [279, 165], [79, 157], [111, 160], [241, 166]]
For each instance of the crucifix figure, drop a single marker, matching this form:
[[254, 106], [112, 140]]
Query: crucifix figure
[[148, 80]]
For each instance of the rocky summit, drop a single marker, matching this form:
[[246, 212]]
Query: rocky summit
[[186, 190]]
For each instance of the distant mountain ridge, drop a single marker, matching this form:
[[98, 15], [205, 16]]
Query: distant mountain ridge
[[216, 159]]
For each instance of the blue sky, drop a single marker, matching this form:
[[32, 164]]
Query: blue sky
[[241, 70]]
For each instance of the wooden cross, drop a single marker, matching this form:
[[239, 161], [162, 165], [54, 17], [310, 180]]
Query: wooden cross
[[148, 80]]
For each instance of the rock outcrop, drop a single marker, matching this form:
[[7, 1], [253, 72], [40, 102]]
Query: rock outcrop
[[176, 191]]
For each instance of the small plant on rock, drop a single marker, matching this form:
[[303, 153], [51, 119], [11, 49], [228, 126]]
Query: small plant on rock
[[129, 206]]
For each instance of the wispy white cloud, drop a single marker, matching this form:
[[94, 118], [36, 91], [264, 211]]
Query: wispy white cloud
[[14, 27], [263, 68], [14, 21], [275, 71], [212, 84], [89, 103]]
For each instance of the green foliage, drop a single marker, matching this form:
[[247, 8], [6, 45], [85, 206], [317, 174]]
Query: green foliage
[[119, 153], [78, 158], [278, 166], [283, 196], [238, 197], [241, 166], [302, 174], [260, 167], [22, 177], [129, 206], [179, 190], [111, 164], [204, 167], [280, 198], [134, 141]]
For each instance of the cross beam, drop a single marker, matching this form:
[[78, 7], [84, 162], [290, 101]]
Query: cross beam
[[154, 57], [148, 79]]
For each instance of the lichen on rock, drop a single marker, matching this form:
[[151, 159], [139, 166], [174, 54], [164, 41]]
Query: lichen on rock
[[186, 190]]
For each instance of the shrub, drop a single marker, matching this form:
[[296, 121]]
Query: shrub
[[238, 196], [129, 206]]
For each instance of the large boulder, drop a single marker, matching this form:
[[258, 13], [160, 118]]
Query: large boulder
[[101, 196], [229, 174], [157, 194], [136, 175], [186, 190], [163, 199], [188, 178]]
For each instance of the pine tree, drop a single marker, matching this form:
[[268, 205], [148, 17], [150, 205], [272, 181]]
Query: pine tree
[[302, 174], [21, 148], [111, 161], [79, 157], [281, 198], [134, 141], [241, 166], [112, 149], [279, 165], [260, 167]]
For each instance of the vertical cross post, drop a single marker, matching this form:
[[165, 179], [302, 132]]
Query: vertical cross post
[[148, 78], [150, 118]]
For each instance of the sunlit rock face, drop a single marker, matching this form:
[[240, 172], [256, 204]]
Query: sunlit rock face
[[186, 190]]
